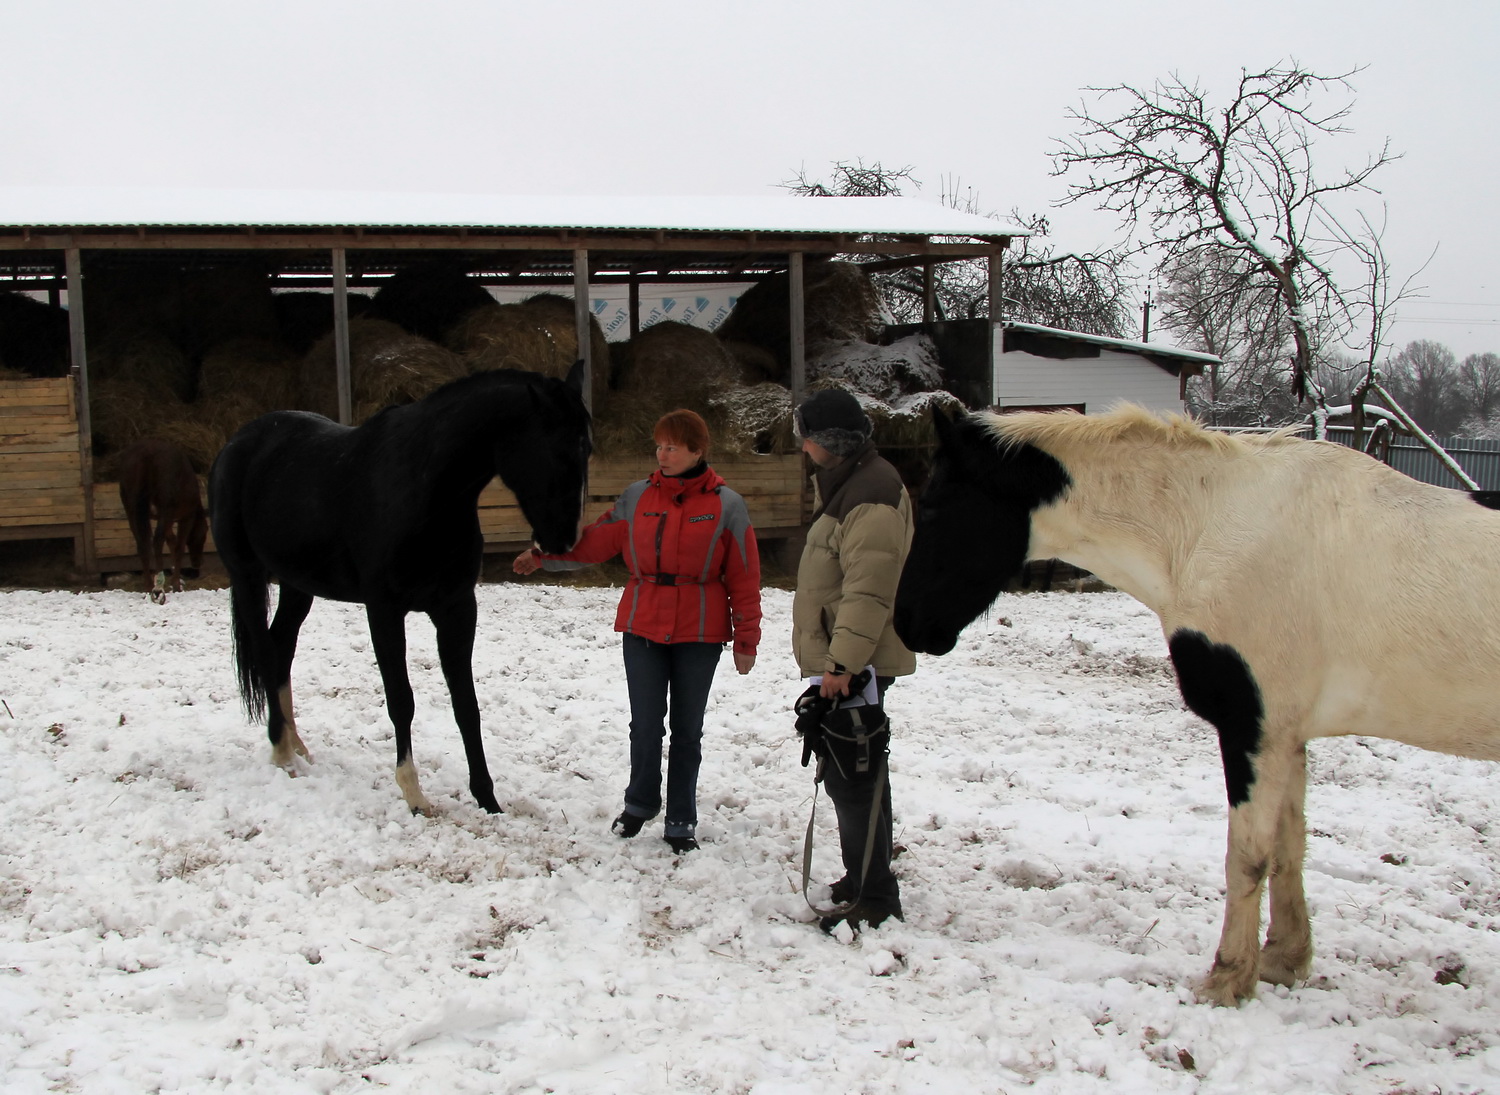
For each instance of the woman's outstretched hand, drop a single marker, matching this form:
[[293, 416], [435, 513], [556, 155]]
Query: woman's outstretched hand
[[527, 562], [743, 663]]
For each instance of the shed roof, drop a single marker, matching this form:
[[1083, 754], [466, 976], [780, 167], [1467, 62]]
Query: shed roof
[[1171, 358], [41, 207]]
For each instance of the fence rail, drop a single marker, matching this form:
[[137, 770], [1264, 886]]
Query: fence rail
[[1477, 456]]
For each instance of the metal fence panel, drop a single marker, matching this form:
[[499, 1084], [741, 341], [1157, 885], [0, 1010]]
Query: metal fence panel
[[1477, 456]]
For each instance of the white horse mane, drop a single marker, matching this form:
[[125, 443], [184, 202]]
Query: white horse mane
[[1127, 422]]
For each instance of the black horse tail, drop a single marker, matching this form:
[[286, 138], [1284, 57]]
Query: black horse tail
[[252, 643]]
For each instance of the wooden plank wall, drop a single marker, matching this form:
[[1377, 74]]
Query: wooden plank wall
[[771, 486], [41, 480]]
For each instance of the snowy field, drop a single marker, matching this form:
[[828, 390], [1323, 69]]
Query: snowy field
[[177, 915]]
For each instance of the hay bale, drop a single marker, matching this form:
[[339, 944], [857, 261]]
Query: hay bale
[[262, 371], [756, 418], [33, 336], [428, 298], [538, 334], [304, 316], [757, 364], [148, 359], [387, 367], [193, 307], [124, 410], [667, 366], [840, 303], [7, 373], [905, 367]]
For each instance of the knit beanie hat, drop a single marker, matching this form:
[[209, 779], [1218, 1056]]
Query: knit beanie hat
[[833, 419]]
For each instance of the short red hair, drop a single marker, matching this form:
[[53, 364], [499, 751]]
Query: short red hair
[[682, 427]]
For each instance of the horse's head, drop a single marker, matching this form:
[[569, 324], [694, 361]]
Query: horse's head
[[553, 483], [973, 527]]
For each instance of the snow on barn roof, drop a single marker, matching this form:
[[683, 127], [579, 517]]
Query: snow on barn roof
[[1188, 357], [61, 206]]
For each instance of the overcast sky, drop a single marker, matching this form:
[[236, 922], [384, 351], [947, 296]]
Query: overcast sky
[[650, 97]]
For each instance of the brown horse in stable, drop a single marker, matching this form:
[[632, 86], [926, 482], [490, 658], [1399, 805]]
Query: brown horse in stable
[[157, 480]]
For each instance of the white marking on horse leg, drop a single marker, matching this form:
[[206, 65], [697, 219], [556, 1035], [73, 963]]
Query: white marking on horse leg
[[1287, 955], [159, 588], [1252, 841], [284, 753], [411, 788], [289, 732]]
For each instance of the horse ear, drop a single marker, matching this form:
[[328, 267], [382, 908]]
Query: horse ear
[[575, 377]]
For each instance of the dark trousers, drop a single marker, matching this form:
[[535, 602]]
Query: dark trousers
[[853, 798], [656, 673]]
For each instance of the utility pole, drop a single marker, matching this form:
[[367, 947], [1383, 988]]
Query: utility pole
[[1146, 317]]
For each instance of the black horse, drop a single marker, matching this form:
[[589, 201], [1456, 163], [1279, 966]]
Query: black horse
[[385, 515]]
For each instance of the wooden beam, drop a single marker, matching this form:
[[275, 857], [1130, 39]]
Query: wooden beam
[[83, 558], [929, 293], [581, 323], [341, 337], [798, 328]]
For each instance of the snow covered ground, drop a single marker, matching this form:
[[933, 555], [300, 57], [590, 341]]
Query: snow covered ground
[[177, 915]]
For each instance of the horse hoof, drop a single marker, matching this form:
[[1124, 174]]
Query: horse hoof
[[158, 596]]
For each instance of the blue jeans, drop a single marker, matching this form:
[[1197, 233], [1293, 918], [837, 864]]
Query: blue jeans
[[655, 672]]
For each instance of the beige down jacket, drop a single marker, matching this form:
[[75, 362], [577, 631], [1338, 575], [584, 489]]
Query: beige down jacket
[[851, 564]]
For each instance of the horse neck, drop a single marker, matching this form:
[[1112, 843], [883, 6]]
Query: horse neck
[[466, 439], [1132, 516]]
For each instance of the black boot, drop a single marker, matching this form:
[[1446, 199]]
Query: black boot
[[627, 824]]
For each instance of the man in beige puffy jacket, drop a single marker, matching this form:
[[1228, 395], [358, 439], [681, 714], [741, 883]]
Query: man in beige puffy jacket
[[841, 623]]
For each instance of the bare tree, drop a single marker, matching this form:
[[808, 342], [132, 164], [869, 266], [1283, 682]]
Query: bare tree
[[1070, 291], [1479, 389], [1424, 378], [1186, 175]]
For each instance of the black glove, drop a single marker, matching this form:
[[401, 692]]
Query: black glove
[[810, 708]]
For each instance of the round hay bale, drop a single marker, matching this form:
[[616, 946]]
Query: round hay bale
[[667, 366], [304, 316], [33, 336], [124, 410], [539, 335], [193, 307], [906, 366], [200, 440], [260, 371], [757, 418], [428, 298], [148, 359], [840, 303], [387, 367], [757, 364]]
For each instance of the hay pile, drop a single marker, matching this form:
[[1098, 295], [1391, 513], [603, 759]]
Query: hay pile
[[33, 337], [303, 317], [667, 366], [387, 367], [905, 367], [538, 335], [840, 304], [194, 308], [429, 298]]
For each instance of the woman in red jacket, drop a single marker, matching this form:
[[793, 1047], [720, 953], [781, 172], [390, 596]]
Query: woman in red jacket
[[694, 586]]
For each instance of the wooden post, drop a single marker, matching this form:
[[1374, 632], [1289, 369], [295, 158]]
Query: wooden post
[[929, 293], [73, 258], [997, 306], [635, 304], [798, 328], [341, 337], [997, 322], [581, 323]]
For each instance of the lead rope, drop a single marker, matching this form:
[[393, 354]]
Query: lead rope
[[877, 804]]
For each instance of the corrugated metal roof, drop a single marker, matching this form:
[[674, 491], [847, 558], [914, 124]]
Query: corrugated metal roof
[[58, 207], [1118, 343]]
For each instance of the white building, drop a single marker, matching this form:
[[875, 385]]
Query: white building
[[1037, 368]]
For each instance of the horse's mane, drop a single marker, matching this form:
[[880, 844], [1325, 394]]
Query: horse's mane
[[1127, 422]]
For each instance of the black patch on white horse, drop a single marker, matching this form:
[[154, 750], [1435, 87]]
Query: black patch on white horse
[[1489, 499], [981, 492], [1219, 688]]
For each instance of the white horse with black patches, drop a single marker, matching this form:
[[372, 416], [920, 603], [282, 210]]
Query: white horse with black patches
[[1305, 591]]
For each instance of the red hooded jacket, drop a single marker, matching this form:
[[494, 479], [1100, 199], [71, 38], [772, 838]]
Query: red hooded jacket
[[694, 564]]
